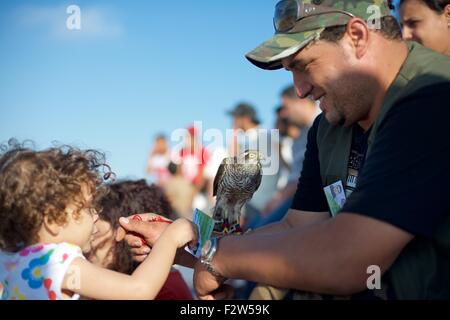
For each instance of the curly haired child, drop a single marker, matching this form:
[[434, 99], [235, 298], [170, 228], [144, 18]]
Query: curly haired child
[[48, 207]]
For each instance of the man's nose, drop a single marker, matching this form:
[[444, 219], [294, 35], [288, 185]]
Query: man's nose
[[407, 33], [302, 87]]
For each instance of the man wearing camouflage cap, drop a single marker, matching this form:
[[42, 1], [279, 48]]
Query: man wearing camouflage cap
[[374, 90]]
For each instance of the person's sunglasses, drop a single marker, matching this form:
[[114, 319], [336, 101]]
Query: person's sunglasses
[[289, 12]]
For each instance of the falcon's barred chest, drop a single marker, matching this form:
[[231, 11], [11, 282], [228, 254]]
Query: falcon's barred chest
[[236, 181]]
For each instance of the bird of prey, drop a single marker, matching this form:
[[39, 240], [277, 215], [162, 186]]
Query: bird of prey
[[236, 181]]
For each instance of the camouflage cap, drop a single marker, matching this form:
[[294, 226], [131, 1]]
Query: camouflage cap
[[315, 16]]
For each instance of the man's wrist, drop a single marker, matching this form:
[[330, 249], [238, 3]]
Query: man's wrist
[[209, 259], [184, 258]]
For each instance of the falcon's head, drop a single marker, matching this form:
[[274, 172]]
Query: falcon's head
[[250, 157]]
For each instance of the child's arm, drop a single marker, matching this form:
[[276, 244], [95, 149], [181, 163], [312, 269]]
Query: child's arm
[[146, 281]]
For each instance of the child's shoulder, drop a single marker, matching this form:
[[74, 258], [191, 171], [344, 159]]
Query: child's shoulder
[[63, 246], [51, 257], [39, 249], [37, 271]]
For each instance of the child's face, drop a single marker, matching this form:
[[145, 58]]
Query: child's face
[[79, 230], [102, 242]]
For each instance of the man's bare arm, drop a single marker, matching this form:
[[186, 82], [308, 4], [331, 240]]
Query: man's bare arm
[[293, 219], [328, 257]]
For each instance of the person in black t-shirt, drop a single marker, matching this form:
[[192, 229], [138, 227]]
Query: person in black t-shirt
[[310, 195]]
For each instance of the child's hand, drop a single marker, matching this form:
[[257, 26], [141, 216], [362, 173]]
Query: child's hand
[[132, 231], [183, 232]]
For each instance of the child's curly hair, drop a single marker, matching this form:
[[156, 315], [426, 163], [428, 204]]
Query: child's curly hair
[[123, 199], [38, 184]]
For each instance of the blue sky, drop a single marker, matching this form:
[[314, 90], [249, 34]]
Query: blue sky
[[136, 68]]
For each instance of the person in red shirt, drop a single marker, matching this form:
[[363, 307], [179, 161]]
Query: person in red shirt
[[159, 159], [194, 158], [175, 288]]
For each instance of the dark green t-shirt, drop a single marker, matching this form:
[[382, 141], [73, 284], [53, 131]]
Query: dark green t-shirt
[[405, 178]]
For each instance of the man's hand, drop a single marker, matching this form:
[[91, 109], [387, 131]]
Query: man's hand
[[133, 230], [208, 287]]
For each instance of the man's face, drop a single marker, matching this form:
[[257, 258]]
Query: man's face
[[330, 73]]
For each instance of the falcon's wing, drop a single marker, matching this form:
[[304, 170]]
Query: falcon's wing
[[218, 177], [258, 180]]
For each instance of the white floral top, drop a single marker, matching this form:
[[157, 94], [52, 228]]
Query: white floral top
[[36, 272]]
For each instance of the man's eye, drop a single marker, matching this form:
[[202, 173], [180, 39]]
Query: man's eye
[[412, 24], [300, 67], [305, 66]]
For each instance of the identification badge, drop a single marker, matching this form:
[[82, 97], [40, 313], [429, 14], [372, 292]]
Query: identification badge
[[335, 195], [205, 226]]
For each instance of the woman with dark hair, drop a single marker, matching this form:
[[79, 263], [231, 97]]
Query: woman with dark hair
[[124, 199], [427, 22]]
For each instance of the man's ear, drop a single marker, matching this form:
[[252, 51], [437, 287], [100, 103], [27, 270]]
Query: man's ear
[[358, 33], [447, 13], [51, 227]]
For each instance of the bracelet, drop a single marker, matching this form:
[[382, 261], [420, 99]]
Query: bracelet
[[208, 251]]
